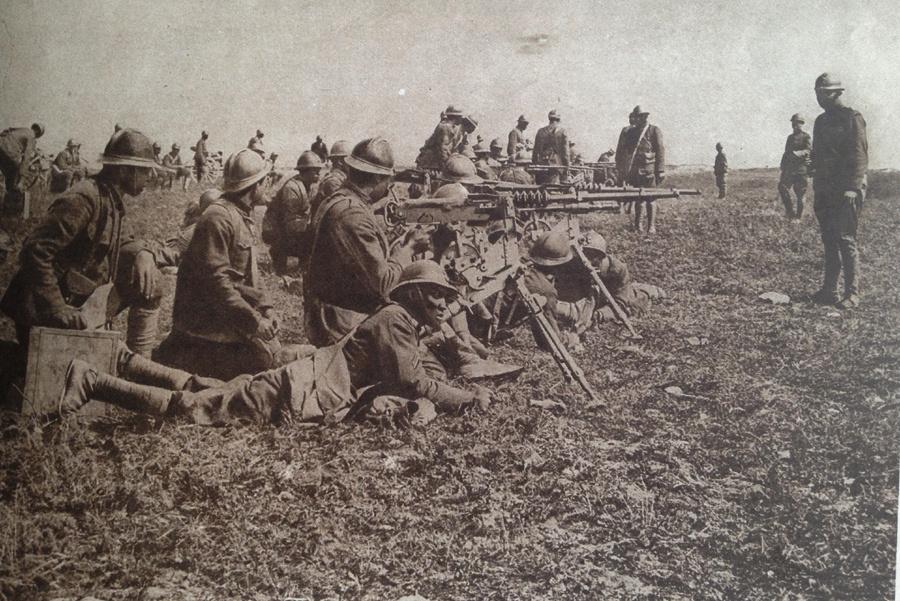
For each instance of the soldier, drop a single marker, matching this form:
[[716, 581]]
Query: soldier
[[641, 160], [67, 168], [200, 157], [482, 164], [515, 172], [720, 169], [351, 269], [794, 164], [320, 148], [381, 355], [333, 180], [839, 159], [287, 216], [517, 136], [223, 323], [256, 144], [17, 149], [551, 147], [468, 125], [78, 248], [175, 167], [497, 158], [443, 140], [273, 158]]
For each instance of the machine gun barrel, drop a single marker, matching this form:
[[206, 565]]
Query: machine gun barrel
[[610, 300]]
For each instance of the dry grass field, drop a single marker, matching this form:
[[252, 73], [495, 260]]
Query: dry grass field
[[774, 477]]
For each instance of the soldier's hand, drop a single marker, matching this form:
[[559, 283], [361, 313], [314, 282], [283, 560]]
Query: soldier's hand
[[418, 240], [266, 329], [483, 398], [69, 318], [850, 195], [145, 273]]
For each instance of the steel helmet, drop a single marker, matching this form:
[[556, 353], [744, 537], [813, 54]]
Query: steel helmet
[[175, 146], [259, 133], [480, 149], [372, 155], [498, 228], [471, 121], [551, 249], [554, 115], [38, 129], [73, 144], [309, 160], [469, 153], [592, 242], [341, 148], [256, 145], [719, 146], [454, 191], [523, 119], [796, 117], [203, 134], [452, 111], [459, 168], [496, 143], [424, 272], [827, 81], [208, 197], [523, 158], [243, 169], [129, 147], [156, 146]]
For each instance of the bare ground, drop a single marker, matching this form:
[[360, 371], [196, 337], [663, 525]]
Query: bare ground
[[775, 478]]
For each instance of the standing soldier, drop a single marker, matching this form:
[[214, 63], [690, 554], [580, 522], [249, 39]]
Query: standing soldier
[[517, 136], [287, 216], [839, 159], [200, 157], [17, 148], [351, 270], [794, 164], [66, 169], [223, 323], [78, 248], [551, 147], [641, 159], [443, 140], [320, 148], [720, 169]]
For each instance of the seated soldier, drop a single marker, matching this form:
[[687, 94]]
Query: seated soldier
[[379, 357], [67, 168]]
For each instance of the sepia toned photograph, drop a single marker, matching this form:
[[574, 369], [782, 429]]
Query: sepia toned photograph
[[427, 301]]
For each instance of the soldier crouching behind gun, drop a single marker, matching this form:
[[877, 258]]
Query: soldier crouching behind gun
[[223, 323], [379, 356]]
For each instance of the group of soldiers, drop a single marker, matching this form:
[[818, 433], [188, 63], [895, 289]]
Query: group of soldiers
[[384, 323]]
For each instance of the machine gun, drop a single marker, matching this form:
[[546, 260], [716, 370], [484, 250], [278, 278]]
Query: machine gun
[[610, 300]]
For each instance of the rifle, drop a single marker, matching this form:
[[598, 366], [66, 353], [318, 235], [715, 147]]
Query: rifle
[[620, 313]]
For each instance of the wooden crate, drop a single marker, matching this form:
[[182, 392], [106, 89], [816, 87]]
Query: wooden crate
[[50, 351]]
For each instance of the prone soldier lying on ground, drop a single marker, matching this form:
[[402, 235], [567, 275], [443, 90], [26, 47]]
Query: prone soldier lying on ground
[[381, 356]]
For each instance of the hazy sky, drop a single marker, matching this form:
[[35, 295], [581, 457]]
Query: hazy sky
[[706, 71]]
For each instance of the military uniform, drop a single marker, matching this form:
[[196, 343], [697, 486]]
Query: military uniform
[[551, 147], [516, 137], [485, 170], [439, 146], [200, 157], [219, 302], [720, 169], [794, 163], [17, 148], [839, 160], [328, 185], [320, 148], [517, 175], [286, 220], [80, 237], [67, 170], [640, 156], [350, 272]]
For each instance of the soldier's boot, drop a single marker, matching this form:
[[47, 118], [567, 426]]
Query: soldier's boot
[[140, 370], [638, 216], [651, 218], [84, 383], [474, 367], [142, 325], [800, 198]]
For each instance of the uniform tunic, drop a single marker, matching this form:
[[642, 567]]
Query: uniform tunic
[[286, 221], [640, 155], [439, 146], [516, 137]]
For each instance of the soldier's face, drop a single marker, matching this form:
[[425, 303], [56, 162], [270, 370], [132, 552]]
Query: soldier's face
[[260, 194], [435, 304], [309, 176], [380, 190], [797, 126], [137, 180], [826, 98]]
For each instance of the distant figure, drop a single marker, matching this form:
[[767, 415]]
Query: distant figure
[[482, 165], [515, 171], [517, 136], [200, 157], [607, 157], [17, 149], [720, 169], [839, 159], [468, 125], [606, 175], [332, 181], [176, 169], [440, 144], [551, 147], [67, 168], [256, 144], [794, 166], [641, 162], [320, 148]]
